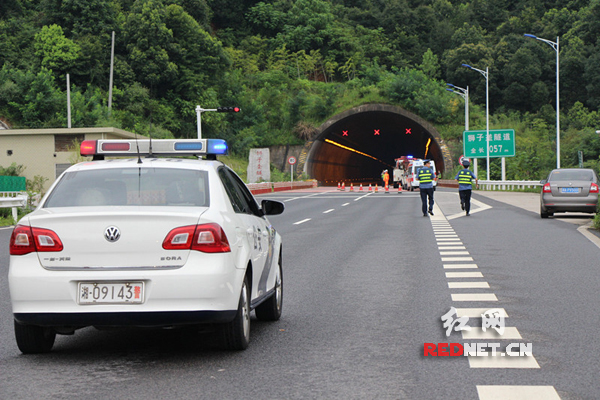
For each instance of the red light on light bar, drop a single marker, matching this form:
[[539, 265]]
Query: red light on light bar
[[88, 148], [123, 146]]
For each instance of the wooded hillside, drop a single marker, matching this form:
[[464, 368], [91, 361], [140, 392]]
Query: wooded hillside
[[290, 65]]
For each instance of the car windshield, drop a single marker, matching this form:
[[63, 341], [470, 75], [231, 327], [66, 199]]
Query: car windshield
[[572, 175], [131, 187]]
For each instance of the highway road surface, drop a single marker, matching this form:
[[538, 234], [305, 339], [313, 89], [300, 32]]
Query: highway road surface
[[369, 284]]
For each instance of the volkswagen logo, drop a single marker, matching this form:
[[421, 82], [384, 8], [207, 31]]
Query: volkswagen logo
[[112, 234]]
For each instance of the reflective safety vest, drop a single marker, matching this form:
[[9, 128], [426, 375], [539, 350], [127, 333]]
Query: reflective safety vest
[[465, 178], [425, 175]]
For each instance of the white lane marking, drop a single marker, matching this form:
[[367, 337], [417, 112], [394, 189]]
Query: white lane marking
[[474, 297], [477, 312], [464, 275], [457, 259], [451, 247], [362, 197], [303, 221], [454, 253], [516, 392], [448, 240], [304, 197], [459, 266], [345, 204], [501, 361], [468, 285], [482, 207], [328, 211], [476, 332]]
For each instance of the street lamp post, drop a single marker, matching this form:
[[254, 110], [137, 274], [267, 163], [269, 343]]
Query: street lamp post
[[464, 93], [487, 115], [556, 47]]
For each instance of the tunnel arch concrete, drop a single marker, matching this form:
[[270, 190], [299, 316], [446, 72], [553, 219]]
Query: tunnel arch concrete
[[357, 144]]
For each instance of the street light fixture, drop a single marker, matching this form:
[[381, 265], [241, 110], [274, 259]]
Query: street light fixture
[[556, 47], [464, 93], [487, 114]]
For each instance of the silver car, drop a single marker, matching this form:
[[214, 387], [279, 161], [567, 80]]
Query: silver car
[[569, 190]]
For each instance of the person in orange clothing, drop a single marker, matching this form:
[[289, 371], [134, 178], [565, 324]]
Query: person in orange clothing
[[386, 178]]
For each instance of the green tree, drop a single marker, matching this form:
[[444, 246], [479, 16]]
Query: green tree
[[54, 50]]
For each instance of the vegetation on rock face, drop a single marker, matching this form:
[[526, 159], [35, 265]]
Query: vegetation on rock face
[[290, 65]]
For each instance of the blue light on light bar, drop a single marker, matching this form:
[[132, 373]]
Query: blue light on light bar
[[216, 146], [187, 146]]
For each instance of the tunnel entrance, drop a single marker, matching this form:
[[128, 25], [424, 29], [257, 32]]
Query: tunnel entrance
[[356, 145]]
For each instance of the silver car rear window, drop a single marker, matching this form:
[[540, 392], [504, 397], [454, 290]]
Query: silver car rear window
[[572, 175], [131, 187]]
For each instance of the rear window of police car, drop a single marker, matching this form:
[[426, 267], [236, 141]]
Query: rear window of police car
[[131, 187]]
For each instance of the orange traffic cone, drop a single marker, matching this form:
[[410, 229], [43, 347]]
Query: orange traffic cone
[[400, 187], [343, 186], [370, 188], [351, 187], [339, 186], [376, 188], [387, 188], [360, 189]]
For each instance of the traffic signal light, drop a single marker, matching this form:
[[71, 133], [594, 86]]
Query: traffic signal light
[[228, 109]]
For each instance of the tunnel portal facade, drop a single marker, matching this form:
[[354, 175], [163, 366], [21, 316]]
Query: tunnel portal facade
[[358, 144]]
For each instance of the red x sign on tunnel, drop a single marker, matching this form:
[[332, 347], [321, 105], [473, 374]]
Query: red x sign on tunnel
[[344, 133], [376, 131], [408, 132]]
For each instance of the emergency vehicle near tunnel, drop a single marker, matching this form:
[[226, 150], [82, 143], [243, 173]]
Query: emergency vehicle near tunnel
[[150, 240], [410, 179]]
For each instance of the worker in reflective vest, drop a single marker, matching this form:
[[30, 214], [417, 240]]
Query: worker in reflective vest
[[386, 178], [426, 177], [465, 185]]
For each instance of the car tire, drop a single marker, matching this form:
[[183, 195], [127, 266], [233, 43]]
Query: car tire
[[543, 213], [270, 309], [32, 339], [236, 334]]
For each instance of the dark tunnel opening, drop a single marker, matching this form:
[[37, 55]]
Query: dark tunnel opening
[[355, 146]]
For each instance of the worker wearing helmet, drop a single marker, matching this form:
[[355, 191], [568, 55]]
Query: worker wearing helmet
[[386, 178], [465, 185]]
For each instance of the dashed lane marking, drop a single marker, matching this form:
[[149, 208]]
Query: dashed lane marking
[[478, 312], [474, 297], [503, 392], [500, 360], [459, 266], [468, 285], [510, 332], [464, 275], [303, 221]]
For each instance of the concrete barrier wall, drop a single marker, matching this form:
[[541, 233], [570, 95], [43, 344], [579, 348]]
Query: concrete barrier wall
[[268, 187]]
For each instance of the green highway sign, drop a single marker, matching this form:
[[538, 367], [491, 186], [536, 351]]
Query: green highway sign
[[502, 143]]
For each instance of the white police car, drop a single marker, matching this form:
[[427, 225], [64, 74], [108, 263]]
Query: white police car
[[145, 242]]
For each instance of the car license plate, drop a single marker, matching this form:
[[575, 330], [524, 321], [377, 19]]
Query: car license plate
[[110, 292], [569, 190]]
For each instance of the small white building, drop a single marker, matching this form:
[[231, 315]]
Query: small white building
[[48, 152]]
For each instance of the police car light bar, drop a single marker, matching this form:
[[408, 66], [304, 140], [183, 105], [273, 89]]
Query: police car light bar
[[159, 147]]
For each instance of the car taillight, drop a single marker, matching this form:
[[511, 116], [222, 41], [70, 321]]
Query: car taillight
[[25, 240], [594, 188], [546, 188], [207, 238]]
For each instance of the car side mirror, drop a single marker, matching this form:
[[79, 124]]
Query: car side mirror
[[272, 207]]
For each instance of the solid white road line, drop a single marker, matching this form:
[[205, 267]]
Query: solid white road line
[[328, 211]]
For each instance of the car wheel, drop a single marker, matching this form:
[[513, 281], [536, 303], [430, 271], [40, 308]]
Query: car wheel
[[270, 310], [33, 339], [544, 213], [236, 334]]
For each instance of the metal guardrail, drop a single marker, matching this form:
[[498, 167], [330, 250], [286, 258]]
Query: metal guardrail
[[13, 200], [268, 187], [508, 185]]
